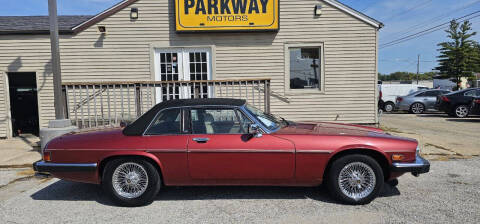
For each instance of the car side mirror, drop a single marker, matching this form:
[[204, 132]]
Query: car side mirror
[[254, 130]]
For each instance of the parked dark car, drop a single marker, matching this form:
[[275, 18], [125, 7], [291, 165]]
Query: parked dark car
[[457, 103], [475, 109], [420, 101]]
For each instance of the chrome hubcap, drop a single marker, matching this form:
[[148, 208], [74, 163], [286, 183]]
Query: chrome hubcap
[[357, 180], [417, 108], [130, 180], [461, 111]]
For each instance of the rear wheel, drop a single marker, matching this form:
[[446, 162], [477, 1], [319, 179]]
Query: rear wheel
[[461, 111], [417, 108], [355, 179], [131, 182], [389, 107]]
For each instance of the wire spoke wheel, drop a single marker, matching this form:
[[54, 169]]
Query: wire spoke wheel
[[357, 180], [130, 180]]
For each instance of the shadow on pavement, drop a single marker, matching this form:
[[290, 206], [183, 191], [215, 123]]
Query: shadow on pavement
[[70, 191], [433, 115]]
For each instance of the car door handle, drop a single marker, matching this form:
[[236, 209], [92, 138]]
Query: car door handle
[[201, 140]]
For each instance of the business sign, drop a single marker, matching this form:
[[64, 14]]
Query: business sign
[[226, 15]]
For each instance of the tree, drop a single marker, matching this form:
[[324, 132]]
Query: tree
[[457, 57], [476, 58]]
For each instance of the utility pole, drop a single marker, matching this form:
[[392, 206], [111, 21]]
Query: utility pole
[[60, 125], [59, 101], [418, 67]]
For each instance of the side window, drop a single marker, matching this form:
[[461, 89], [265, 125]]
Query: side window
[[422, 94], [470, 93], [166, 122], [432, 93], [218, 121]]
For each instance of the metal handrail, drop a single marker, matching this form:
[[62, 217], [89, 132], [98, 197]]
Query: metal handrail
[[108, 103]]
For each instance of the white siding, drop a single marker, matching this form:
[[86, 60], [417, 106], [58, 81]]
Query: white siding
[[124, 54]]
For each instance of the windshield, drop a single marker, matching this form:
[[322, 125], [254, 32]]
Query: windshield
[[268, 120]]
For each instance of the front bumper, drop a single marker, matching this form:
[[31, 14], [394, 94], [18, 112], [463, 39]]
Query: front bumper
[[419, 166], [48, 167]]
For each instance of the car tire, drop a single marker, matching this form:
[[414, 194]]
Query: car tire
[[345, 172], [141, 174], [417, 108], [389, 107], [461, 111]]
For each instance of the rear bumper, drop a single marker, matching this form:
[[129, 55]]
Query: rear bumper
[[47, 167], [419, 166]]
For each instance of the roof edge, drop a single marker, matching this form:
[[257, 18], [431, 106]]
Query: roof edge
[[101, 16], [369, 20], [34, 32]]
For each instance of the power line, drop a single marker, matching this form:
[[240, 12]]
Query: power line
[[413, 8], [427, 31], [428, 22], [369, 6]]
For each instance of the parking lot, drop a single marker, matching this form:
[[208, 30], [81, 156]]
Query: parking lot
[[449, 193], [440, 135]]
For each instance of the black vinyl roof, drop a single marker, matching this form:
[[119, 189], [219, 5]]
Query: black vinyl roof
[[38, 24], [138, 127]]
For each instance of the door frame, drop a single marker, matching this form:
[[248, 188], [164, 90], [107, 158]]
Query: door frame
[[183, 66], [165, 45], [9, 126], [8, 114]]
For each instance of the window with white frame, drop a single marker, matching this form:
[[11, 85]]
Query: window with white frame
[[305, 67]]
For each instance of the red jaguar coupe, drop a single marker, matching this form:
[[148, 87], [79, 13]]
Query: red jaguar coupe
[[228, 142]]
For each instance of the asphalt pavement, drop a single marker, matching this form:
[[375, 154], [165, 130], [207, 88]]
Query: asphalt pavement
[[448, 194]]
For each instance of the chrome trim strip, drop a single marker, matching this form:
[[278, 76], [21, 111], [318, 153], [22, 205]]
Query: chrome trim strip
[[315, 151], [239, 151], [167, 151]]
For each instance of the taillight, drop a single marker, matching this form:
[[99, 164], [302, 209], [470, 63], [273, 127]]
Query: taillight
[[399, 99], [444, 98], [477, 101], [380, 95], [47, 156]]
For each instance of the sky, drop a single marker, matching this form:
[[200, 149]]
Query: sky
[[401, 18]]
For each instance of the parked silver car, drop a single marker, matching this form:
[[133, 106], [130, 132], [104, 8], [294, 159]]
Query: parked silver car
[[420, 101]]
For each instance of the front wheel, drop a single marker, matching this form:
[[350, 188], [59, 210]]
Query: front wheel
[[131, 182], [355, 179]]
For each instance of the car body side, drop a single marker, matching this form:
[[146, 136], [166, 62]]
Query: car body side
[[427, 101], [311, 153]]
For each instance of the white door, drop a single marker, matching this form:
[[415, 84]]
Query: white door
[[182, 64]]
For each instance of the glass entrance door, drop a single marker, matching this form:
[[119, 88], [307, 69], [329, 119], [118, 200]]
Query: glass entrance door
[[182, 64]]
